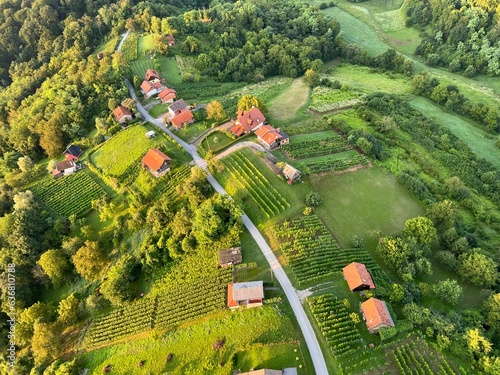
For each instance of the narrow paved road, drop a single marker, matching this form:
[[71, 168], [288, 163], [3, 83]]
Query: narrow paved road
[[124, 36], [279, 273]]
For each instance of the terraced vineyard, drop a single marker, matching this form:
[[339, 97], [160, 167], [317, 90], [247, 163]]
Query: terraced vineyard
[[68, 195], [315, 144], [335, 162], [178, 303], [248, 178], [311, 250], [176, 179]]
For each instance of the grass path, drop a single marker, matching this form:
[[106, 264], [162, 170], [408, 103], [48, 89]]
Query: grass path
[[284, 106], [477, 139]]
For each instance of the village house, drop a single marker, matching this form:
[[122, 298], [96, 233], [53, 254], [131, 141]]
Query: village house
[[157, 162], [285, 371], [182, 119], [170, 40], [72, 153], [150, 89], [249, 294], [152, 76], [376, 315], [64, 168], [247, 121], [358, 278], [231, 256], [271, 138], [122, 114], [291, 173], [177, 107], [167, 95]]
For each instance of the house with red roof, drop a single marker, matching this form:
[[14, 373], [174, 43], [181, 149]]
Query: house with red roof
[[64, 168], [182, 119], [271, 138], [157, 162], [122, 114], [167, 95], [149, 89], [249, 294], [72, 152], [177, 107], [357, 276], [247, 121], [151, 75], [376, 314]]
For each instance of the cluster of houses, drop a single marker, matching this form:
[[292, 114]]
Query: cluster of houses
[[375, 312]]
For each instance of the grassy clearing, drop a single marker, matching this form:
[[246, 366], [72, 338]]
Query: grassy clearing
[[145, 45], [215, 142], [367, 80], [363, 203], [109, 46], [355, 31], [284, 106], [124, 149], [158, 110], [192, 350], [193, 131], [481, 142], [404, 40], [167, 67]]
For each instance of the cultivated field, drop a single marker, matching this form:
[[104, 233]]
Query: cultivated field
[[68, 195], [325, 99], [333, 162], [314, 144], [364, 202], [284, 106], [480, 141]]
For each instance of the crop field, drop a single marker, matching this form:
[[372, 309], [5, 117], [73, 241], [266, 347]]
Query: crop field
[[175, 179], [312, 252], [481, 142], [129, 47], [269, 338], [124, 149], [363, 203], [334, 162], [367, 80], [179, 303], [245, 177], [314, 144], [68, 195], [325, 99], [284, 106]]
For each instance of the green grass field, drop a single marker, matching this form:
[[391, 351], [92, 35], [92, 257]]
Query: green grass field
[[144, 45], [362, 203], [168, 68], [192, 131], [109, 46], [481, 142], [244, 332], [284, 106], [215, 142], [365, 79], [124, 149], [158, 110]]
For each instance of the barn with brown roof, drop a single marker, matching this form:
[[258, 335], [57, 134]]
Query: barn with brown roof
[[357, 276], [157, 162], [376, 314], [249, 294]]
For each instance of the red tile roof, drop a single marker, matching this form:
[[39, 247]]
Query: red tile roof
[[250, 119], [147, 86], [376, 314], [154, 159], [357, 275], [121, 111], [237, 130], [182, 118], [268, 134], [151, 74], [167, 94]]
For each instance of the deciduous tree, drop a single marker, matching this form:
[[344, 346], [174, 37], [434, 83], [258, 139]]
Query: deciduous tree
[[421, 229], [215, 111], [477, 268], [89, 260], [55, 265]]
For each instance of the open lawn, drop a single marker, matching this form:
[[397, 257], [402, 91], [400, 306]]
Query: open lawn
[[192, 347], [284, 106], [158, 110], [367, 80], [481, 142], [168, 68], [362, 203], [215, 142], [145, 45], [108, 46], [193, 131]]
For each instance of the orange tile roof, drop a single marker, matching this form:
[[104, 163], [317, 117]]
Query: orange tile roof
[[250, 119], [230, 300], [154, 159], [182, 118], [237, 130], [167, 94], [357, 275], [121, 111], [268, 134], [151, 74], [147, 86], [376, 314]]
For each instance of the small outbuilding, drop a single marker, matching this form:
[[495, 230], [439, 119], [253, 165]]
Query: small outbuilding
[[150, 134], [171, 40], [157, 162], [357, 276], [376, 314], [167, 95], [178, 107], [291, 173], [249, 294], [231, 256], [72, 152]]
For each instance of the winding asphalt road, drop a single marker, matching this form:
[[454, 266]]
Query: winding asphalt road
[[279, 273]]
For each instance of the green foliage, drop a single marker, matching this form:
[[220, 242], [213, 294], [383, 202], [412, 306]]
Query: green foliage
[[448, 291], [68, 310], [129, 48], [68, 195], [316, 144], [477, 269], [313, 199], [247, 102], [334, 162], [325, 99], [215, 111], [55, 265], [89, 260], [46, 343], [492, 306], [421, 229]]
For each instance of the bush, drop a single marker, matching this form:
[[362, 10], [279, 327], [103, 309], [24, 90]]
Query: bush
[[114, 129], [313, 199]]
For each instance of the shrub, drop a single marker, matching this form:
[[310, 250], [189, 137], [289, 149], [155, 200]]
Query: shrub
[[313, 199]]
